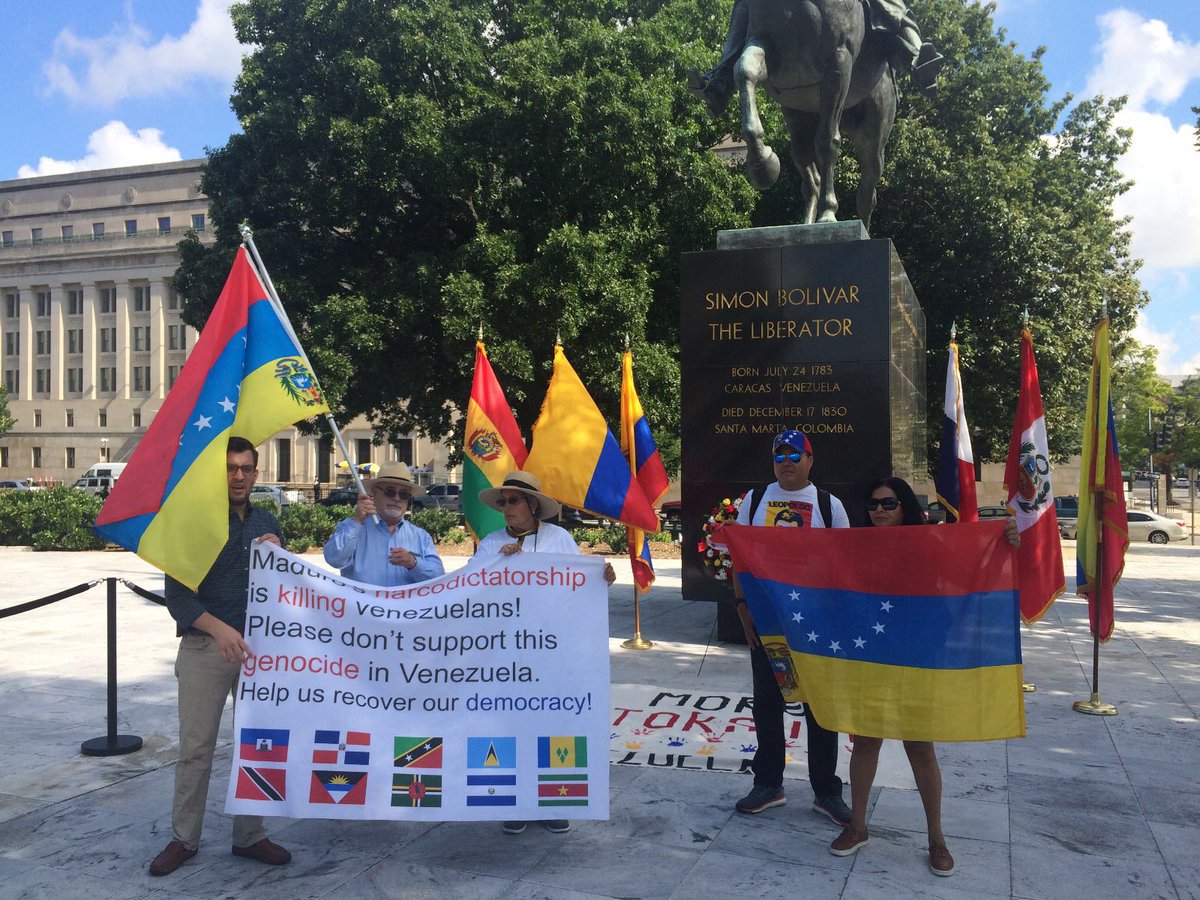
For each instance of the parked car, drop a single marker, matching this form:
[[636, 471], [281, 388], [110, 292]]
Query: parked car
[[346, 495], [935, 513], [670, 514], [1143, 526], [16, 484], [443, 496], [277, 494], [99, 485], [1182, 482], [988, 513]]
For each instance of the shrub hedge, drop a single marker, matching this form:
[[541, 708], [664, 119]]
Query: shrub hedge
[[56, 519]]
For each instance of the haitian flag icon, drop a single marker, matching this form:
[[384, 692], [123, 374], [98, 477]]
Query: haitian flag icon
[[343, 788], [264, 745]]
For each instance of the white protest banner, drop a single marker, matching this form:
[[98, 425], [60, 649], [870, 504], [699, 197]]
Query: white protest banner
[[483, 694]]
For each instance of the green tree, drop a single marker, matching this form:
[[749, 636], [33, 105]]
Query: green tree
[[6, 420], [1140, 396], [1184, 411]]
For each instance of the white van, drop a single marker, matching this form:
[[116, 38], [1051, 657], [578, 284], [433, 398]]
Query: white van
[[100, 478]]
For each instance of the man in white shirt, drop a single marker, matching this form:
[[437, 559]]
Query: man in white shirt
[[795, 502]]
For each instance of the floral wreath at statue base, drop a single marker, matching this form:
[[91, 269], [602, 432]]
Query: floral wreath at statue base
[[715, 560]]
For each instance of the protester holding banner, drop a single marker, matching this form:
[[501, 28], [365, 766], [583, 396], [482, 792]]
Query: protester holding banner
[[211, 621], [377, 545], [791, 501], [524, 507], [890, 501]]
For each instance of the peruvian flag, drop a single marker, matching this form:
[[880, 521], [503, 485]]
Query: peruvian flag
[[1030, 495], [955, 480]]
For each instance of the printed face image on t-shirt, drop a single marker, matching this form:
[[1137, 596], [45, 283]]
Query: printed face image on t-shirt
[[789, 513]]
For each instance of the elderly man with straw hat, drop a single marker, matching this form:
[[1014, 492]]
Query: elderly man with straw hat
[[376, 545], [525, 508]]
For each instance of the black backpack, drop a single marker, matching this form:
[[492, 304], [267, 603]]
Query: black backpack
[[823, 503]]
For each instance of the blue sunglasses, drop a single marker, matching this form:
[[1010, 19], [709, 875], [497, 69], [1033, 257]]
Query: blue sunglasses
[[793, 456]]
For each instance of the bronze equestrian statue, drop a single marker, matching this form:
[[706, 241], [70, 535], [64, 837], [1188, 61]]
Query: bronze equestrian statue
[[831, 65]]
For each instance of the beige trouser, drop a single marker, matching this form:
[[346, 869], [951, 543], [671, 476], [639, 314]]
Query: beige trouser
[[205, 680]]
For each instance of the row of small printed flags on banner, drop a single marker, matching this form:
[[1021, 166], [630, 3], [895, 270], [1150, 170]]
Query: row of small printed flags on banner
[[495, 785]]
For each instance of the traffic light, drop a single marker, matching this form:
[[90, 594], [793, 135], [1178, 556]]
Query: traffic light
[[1167, 428], [1154, 445]]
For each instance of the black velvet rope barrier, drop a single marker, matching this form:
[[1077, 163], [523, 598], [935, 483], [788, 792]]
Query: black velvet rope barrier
[[46, 601], [145, 594]]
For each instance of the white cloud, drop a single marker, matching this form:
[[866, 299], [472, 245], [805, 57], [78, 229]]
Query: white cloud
[[1178, 353], [1139, 57], [104, 70], [109, 147]]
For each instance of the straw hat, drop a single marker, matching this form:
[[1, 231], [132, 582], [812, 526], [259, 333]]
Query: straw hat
[[394, 473], [526, 483]]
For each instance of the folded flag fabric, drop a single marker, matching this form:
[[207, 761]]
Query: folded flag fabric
[[492, 445], [247, 376], [577, 459], [638, 444], [955, 480], [908, 632]]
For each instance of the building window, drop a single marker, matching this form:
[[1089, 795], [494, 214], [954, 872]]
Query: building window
[[42, 302], [104, 416], [403, 449], [362, 451], [3, 457], [42, 341], [37, 457], [42, 380], [141, 379], [35, 235], [12, 381], [70, 457], [74, 302], [71, 412], [74, 386], [104, 455], [164, 224], [137, 418], [68, 232], [176, 337], [108, 340], [172, 376], [130, 227], [97, 230], [141, 298], [283, 459], [141, 337], [12, 306], [12, 343], [108, 300], [108, 379], [6, 237], [37, 418], [198, 222], [172, 296], [74, 340]]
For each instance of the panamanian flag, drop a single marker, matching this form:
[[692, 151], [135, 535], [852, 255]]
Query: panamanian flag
[[955, 481]]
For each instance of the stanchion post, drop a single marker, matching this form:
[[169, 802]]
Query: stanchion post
[[112, 744]]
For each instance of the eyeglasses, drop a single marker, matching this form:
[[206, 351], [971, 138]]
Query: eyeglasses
[[393, 493], [245, 470], [508, 501], [793, 456], [888, 503]]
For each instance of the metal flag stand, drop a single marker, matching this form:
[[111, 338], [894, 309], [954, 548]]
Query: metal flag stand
[[637, 642]]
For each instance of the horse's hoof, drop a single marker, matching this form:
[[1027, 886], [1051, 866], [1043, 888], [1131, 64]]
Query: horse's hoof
[[764, 173], [830, 215]]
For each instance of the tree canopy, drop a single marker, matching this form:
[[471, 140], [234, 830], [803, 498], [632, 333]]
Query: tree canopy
[[6, 420], [415, 170]]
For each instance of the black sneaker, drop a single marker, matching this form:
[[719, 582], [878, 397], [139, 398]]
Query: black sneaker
[[834, 807], [514, 827], [557, 826], [761, 798]]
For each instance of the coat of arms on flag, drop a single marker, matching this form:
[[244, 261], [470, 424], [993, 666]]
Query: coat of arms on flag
[[496, 785], [417, 790], [255, 783], [348, 788], [330, 748], [418, 753], [562, 753], [264, 745]]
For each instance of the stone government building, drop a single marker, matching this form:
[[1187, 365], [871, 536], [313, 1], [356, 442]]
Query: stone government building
[[91, 333]]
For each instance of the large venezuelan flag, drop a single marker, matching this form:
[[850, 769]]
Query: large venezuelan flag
[[246, 376], [638, 444], [492, 446], [955, 481], [577, 459], [908, 633], [1102, 536]]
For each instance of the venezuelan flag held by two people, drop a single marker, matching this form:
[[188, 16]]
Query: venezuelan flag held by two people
[[247, 376]]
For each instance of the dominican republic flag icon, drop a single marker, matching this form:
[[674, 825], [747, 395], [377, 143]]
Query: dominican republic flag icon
[[257, 783], [264, 745], [337, 748], [418, 753], [344, 788]]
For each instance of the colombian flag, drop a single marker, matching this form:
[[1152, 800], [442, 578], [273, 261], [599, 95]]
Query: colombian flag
[[247, 376], [924, 648], [492, 446], [638, 444], [577, 459], [1103, 534], [955, 480]]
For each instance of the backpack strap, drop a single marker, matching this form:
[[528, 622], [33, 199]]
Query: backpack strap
[[825, 505], [760, 491]]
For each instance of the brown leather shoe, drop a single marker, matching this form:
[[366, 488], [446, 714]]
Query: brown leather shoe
[[174, 855], [265, 852]]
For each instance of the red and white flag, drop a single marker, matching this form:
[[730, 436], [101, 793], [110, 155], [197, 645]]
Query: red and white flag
[[1030, 493]]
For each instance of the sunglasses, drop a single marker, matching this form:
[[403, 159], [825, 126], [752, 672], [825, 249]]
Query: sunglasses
[[245, 470], [793, 457], [508, 501], [393, 493], [888, 503]]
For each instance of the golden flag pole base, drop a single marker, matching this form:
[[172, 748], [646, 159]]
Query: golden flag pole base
[[1094, 707], [1028, 687], [636, 642]]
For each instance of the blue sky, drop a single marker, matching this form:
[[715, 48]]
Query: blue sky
[[106, 83]]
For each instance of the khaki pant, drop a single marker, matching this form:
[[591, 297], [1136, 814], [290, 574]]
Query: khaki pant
[[205, 680]]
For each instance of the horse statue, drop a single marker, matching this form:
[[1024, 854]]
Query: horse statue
[[830, 67]]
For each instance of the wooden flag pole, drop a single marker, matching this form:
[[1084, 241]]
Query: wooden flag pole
[[636, 642]]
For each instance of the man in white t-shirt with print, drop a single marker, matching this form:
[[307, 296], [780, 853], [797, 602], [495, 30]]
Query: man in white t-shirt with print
[[795, 502]]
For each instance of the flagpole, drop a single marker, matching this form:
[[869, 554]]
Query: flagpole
[[273, 296], [1027, 686], [637, 642]]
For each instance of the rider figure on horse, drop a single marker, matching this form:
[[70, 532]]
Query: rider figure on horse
[[891, 18]]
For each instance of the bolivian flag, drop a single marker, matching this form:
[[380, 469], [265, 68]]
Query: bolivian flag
[[905, 632], [492, 446], [638, 444], [247, 376]]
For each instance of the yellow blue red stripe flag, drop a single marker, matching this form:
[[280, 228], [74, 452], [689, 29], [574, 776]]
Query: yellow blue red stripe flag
[[247, 376], [492, 446], [577, 459], [638, 443], [925, 647]]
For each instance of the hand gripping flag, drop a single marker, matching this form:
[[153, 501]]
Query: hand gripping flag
[[492, 446], [576, 458], [1031, 496], [955, 480], [1103, 533], [907, 632], [247, 376], [642, 452]]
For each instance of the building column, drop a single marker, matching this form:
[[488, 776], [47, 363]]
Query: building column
[[91, 340], [124, 348], [158, 342], [26, 365], [58, 344]]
